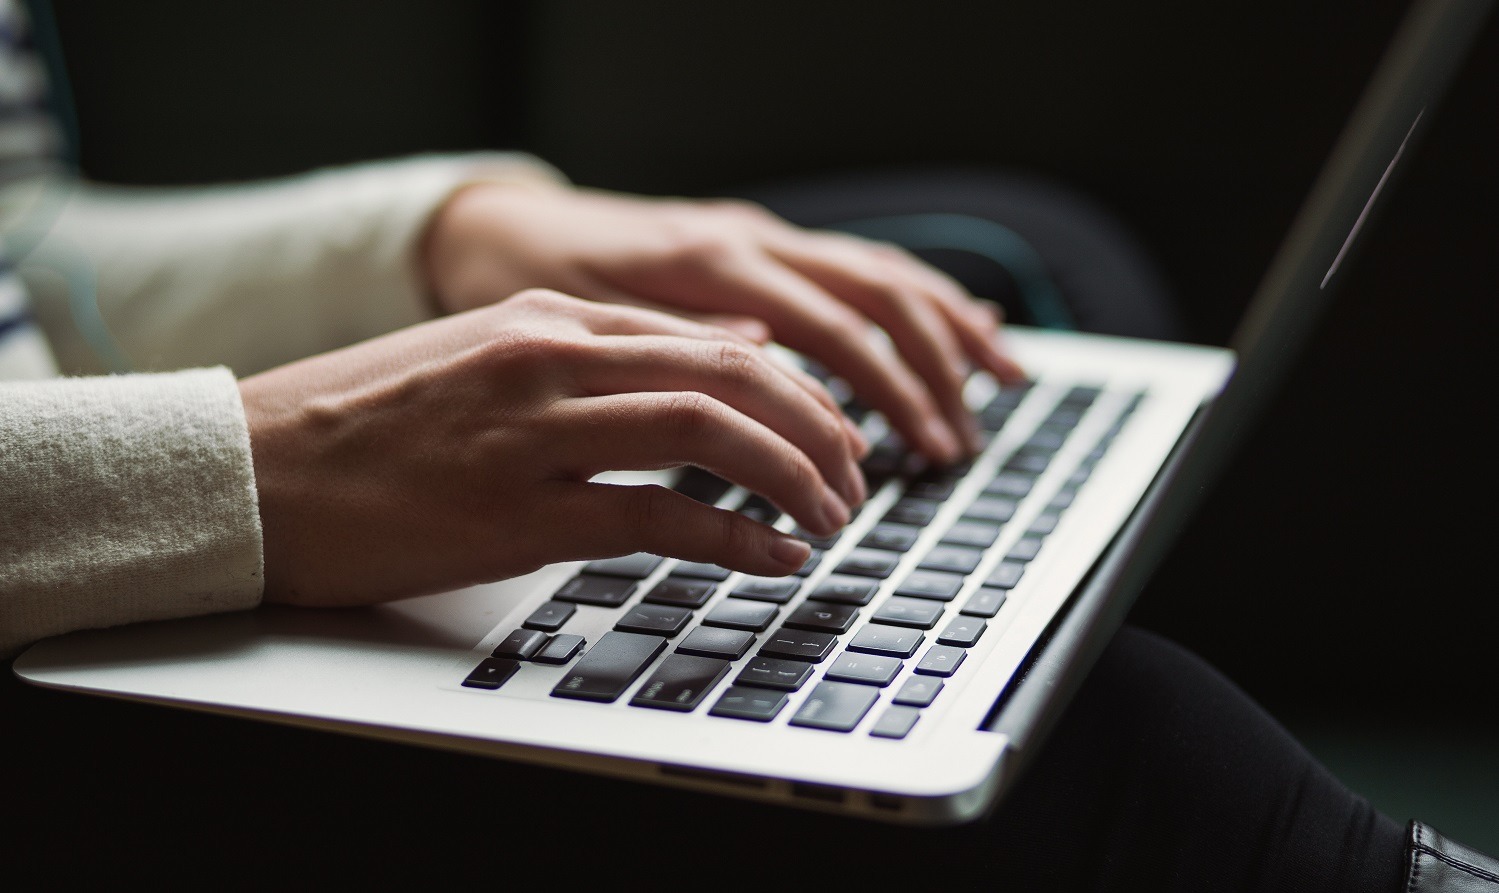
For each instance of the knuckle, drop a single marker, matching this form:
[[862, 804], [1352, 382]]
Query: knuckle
[[650, 509], [738, 364], [687, 413], [541, 299], [695, 249], [741, 208], [530, 353], [731, 535]]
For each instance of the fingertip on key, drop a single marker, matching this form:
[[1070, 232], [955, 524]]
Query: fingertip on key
[[790, 552]]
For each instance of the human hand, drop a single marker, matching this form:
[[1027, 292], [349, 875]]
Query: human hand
[[825, 294], [460, 451]]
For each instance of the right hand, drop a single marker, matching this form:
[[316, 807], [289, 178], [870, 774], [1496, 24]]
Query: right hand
[[460, 451]]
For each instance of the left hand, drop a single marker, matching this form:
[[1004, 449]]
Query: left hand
[[824, 294]]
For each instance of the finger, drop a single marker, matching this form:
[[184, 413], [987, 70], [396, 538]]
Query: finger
[[807, 319], [745, 326], [635, 318], [742, 377], [976, 323], [636, 315], [919, 330], [647, 431], [819, 391], [614, 519]]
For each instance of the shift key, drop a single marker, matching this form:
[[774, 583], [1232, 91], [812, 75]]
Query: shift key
[[608, 668]]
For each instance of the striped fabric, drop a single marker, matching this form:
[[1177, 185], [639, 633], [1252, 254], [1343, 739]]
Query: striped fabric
[[29, 143]]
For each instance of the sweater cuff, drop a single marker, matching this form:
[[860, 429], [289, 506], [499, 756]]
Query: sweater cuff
[[127, 498], [411, 191]]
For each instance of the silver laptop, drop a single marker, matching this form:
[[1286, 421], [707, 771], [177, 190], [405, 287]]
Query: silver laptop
[[910, 670]]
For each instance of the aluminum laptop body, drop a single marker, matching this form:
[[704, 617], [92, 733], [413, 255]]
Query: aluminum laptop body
[[1153, 424]]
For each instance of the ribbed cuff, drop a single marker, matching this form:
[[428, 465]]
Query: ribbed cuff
[[127, 498]]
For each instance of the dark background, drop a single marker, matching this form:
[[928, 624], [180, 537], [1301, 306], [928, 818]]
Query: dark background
[[1340, 570]]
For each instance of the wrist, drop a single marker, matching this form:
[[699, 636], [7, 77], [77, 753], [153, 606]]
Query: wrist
[[457, 255]]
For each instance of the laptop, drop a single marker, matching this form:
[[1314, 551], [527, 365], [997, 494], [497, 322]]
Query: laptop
[[912, 668]]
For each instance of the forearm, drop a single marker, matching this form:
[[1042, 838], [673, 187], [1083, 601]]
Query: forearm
[[124, 499], [251, 275]]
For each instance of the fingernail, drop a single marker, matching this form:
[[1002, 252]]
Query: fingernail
[[834, 510], [944, 440], [790, 551], [856, 437], [858, 490]]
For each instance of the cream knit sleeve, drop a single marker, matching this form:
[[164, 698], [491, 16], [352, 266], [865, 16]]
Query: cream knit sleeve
[[123, 499], [247, 275]]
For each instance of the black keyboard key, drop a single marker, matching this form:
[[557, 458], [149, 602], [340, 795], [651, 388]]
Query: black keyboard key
[[739, 613], [817, 542], [681, 682], [887, 458], [520, 644], [1029, 462], [835, 706], [757, 704], [1005, 575], [895, 722], [1064, 417], [1024, 549], [771, 672], [845, 590], [916, 613], [1063, 499], [611, 592], [916, 512], [550, 616], [1047, 439], [962, 632], [707, 641], [681, 592], [811, 564], [976, 534], [491, 673], [636, 567], [985, 602], [937, 585], [768, 589], [654, 620], [891, 537], [991, 508], [891, 641], [941, 660], [918, 691], [1011, 395], [937, 487], [703, 486], [827, 617], [798, 644], [953, 559], [875, 563], [609, 667], [1045, 523], [559, 649], [699, 570], [993, 418], [865, 669], [1082, 395], [1009, 483], [758, 508]]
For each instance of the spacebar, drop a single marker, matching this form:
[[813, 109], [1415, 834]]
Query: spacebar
[[608, 668]]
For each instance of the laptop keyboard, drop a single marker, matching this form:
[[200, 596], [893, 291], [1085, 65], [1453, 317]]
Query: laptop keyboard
[[889, 619]]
